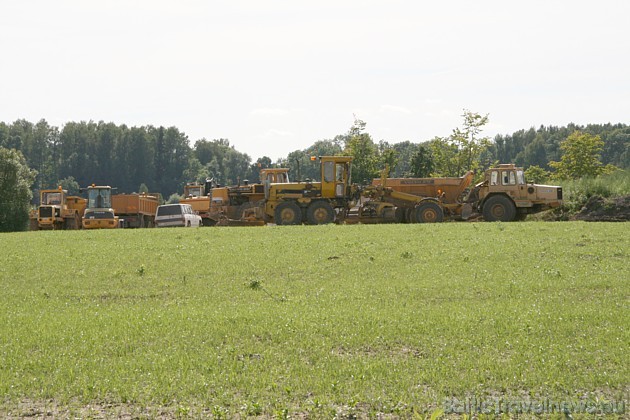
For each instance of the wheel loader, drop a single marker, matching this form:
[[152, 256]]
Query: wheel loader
[[57, 210]]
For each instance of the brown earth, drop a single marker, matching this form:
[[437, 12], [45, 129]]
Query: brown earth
[[599, 209]]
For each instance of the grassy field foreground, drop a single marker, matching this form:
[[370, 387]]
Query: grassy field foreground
[[315, 321]]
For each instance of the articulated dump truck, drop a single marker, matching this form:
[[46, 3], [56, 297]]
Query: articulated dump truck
[[502, 195], [57, 210]]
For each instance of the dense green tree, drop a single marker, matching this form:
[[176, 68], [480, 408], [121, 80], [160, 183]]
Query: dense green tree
[[364, 152], [422, 163], [535, 153], [16, 179], [580, 158], [404, 156], [470, 145], [70, 184], [616, 149], [536, 174], [195, 172], [444, 157]]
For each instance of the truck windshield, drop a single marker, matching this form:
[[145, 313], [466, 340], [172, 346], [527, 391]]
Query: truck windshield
[[195, 191], [99, 198], [520, 177], [52, 198]]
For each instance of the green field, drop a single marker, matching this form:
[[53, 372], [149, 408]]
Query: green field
[[314, 321]]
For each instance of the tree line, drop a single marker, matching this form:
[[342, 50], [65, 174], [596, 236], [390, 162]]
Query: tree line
[[162, 159]]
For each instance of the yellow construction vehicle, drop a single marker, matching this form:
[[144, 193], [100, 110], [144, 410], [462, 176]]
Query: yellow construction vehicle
[[57, 210], [243, 204], [503, 195], [136, 210], [99, 213], [232, 205], [312, 202]]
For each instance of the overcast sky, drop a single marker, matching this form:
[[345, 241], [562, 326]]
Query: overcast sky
[[275, 76]]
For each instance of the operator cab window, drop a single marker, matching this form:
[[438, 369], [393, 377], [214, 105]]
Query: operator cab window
[[520, 177], [340, 172], [329, 172], [508, 178], [494, 178]]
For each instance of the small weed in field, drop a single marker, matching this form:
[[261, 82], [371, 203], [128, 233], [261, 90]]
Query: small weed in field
[[406, 255], [141, 270], [255, 285], [219, 412], [252, 409]]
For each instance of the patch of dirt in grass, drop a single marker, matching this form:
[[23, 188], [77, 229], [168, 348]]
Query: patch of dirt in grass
[[97, 410]]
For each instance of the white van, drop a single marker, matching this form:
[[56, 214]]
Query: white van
[[176, 215]]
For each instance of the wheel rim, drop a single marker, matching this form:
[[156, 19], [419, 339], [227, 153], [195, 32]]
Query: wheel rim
[[287, 215], [429, 215], [321, 215], [497, 211]]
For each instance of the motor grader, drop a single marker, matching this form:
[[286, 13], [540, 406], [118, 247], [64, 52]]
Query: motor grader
[[57, 210], [312, 202]]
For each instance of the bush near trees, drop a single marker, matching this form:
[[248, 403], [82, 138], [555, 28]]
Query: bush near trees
[[581, 157], [16, 179]]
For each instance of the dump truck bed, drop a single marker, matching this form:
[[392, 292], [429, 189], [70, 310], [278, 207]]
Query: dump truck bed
[[145, 205], [451, 188]]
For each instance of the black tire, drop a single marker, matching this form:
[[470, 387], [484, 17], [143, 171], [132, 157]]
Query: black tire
[[429, 212], [399, 215], [320, 213], [287, 213], [410, 215], [499, 208]]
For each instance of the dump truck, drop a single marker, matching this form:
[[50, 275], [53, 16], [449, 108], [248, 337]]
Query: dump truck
[[136, 210], [99, 213], [502, 195], [57, 210]]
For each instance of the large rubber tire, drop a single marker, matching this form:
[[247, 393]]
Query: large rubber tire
[[410, 215], [499, 208], [287, 213], [399, 215], [429, 212], [320, 213]]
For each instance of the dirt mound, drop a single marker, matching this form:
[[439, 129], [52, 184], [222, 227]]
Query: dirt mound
[[599, 209]]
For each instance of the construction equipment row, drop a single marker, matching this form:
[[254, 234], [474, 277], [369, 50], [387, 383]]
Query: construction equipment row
[[502, 195]]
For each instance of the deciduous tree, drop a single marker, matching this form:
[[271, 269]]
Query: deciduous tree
[[16, 179], [581, 154]]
